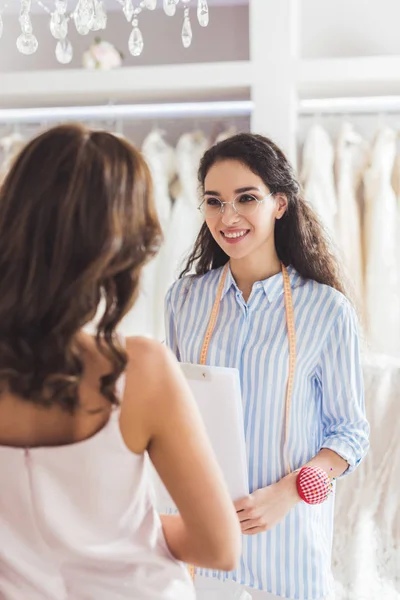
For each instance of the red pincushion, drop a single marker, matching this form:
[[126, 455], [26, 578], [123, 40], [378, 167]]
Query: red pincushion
[[313, 485]]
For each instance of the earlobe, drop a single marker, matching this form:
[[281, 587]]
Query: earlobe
[[282, 212], [282, 206]]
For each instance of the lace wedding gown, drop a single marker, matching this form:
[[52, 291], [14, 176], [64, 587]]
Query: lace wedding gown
[[317, 176], [186, 219], [366, 546], [148, 310], [348, 218], [382, 277], [10, 146]]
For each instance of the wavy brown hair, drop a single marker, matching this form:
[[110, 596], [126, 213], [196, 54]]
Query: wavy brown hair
[[300, 239], [77, 224]]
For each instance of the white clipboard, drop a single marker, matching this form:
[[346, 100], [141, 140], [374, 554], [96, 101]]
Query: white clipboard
[[218, 396]]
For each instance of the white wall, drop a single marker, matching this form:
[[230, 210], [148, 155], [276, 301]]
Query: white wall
[[349, 28], [340, 28], [226, 38]]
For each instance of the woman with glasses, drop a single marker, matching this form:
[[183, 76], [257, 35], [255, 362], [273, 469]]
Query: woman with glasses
[[263, 265]]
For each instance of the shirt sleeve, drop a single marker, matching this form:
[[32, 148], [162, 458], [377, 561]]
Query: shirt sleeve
[[171, 339], [345, 426]]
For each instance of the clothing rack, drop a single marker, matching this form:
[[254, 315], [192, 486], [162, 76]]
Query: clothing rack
[[366, 105], [119, 112]]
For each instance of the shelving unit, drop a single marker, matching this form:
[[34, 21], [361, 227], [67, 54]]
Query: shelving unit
[[362, 76], [275, 78], [134, 84]]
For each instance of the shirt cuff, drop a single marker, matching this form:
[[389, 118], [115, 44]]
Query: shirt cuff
[[343, 449]]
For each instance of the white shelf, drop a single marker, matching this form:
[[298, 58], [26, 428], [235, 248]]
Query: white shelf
[[127, 112], [360, 105], [363, 76], [134, 84]]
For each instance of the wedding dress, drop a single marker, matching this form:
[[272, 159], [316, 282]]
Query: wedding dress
[[317, 177], [10, 146], [396, 187], [149, 307], [348, 217], [382, 277], [225, 134], [186, 219], [366, 546]]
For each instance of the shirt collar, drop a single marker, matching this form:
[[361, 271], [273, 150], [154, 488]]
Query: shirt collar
[[273, 286]]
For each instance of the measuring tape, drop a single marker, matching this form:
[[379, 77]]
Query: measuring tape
[[292, 351]]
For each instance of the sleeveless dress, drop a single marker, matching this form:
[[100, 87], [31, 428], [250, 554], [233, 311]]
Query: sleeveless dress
[[186, 219], [382, 276], [148, 310], [317, 177], [78, 522], [348, 149]]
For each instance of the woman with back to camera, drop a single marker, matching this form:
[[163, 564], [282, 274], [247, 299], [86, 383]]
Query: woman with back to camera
[[79, 414], [263, 266]]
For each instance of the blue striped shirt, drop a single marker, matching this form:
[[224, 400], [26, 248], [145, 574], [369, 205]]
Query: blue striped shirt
[[293, 560]]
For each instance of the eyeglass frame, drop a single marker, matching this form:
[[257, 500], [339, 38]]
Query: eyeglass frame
[[223, 203]]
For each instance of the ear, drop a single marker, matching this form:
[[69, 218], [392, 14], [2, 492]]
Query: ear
[[281, 205]]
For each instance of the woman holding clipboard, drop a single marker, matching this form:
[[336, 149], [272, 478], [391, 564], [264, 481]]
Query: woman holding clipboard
[[267, 298]]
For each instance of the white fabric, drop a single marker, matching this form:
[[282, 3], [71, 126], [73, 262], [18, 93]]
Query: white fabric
[[78, 522], [396, 188], [208, 588], [147, 313], [10, 146], [382, 283], [186, 219], [366, 545], [317, 176], [224, 135], [348, 218]]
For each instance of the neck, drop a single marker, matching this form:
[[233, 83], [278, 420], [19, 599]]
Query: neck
[[246, 271]]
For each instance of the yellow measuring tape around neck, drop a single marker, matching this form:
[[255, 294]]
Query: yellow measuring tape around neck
[[213, 317], [291, 338], [290, 324], [291, 329]]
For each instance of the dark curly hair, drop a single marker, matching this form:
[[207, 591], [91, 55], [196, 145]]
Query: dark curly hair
[[300, 239], [77, 223]]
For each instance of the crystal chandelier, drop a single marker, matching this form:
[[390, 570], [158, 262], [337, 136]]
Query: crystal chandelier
[[91, 15]]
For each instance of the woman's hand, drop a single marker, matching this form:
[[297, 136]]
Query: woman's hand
[[266, 507]]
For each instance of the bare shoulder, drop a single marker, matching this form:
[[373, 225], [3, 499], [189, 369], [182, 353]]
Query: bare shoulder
[[147, 356], [153, 385]]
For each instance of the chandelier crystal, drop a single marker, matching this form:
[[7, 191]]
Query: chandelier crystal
[[90, 16]]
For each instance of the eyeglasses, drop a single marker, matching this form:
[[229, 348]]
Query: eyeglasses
[[244, 204]]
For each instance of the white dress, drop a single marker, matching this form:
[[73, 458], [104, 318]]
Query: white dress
[[186, 219], [225, 134], [381, 248], [366, 555], [317, 176], [10, 146], [148, 310], [80, 522], [396, 187], [348, 217]]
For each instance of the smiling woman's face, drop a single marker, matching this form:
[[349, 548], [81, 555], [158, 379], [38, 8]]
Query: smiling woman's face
[[240, 235]]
